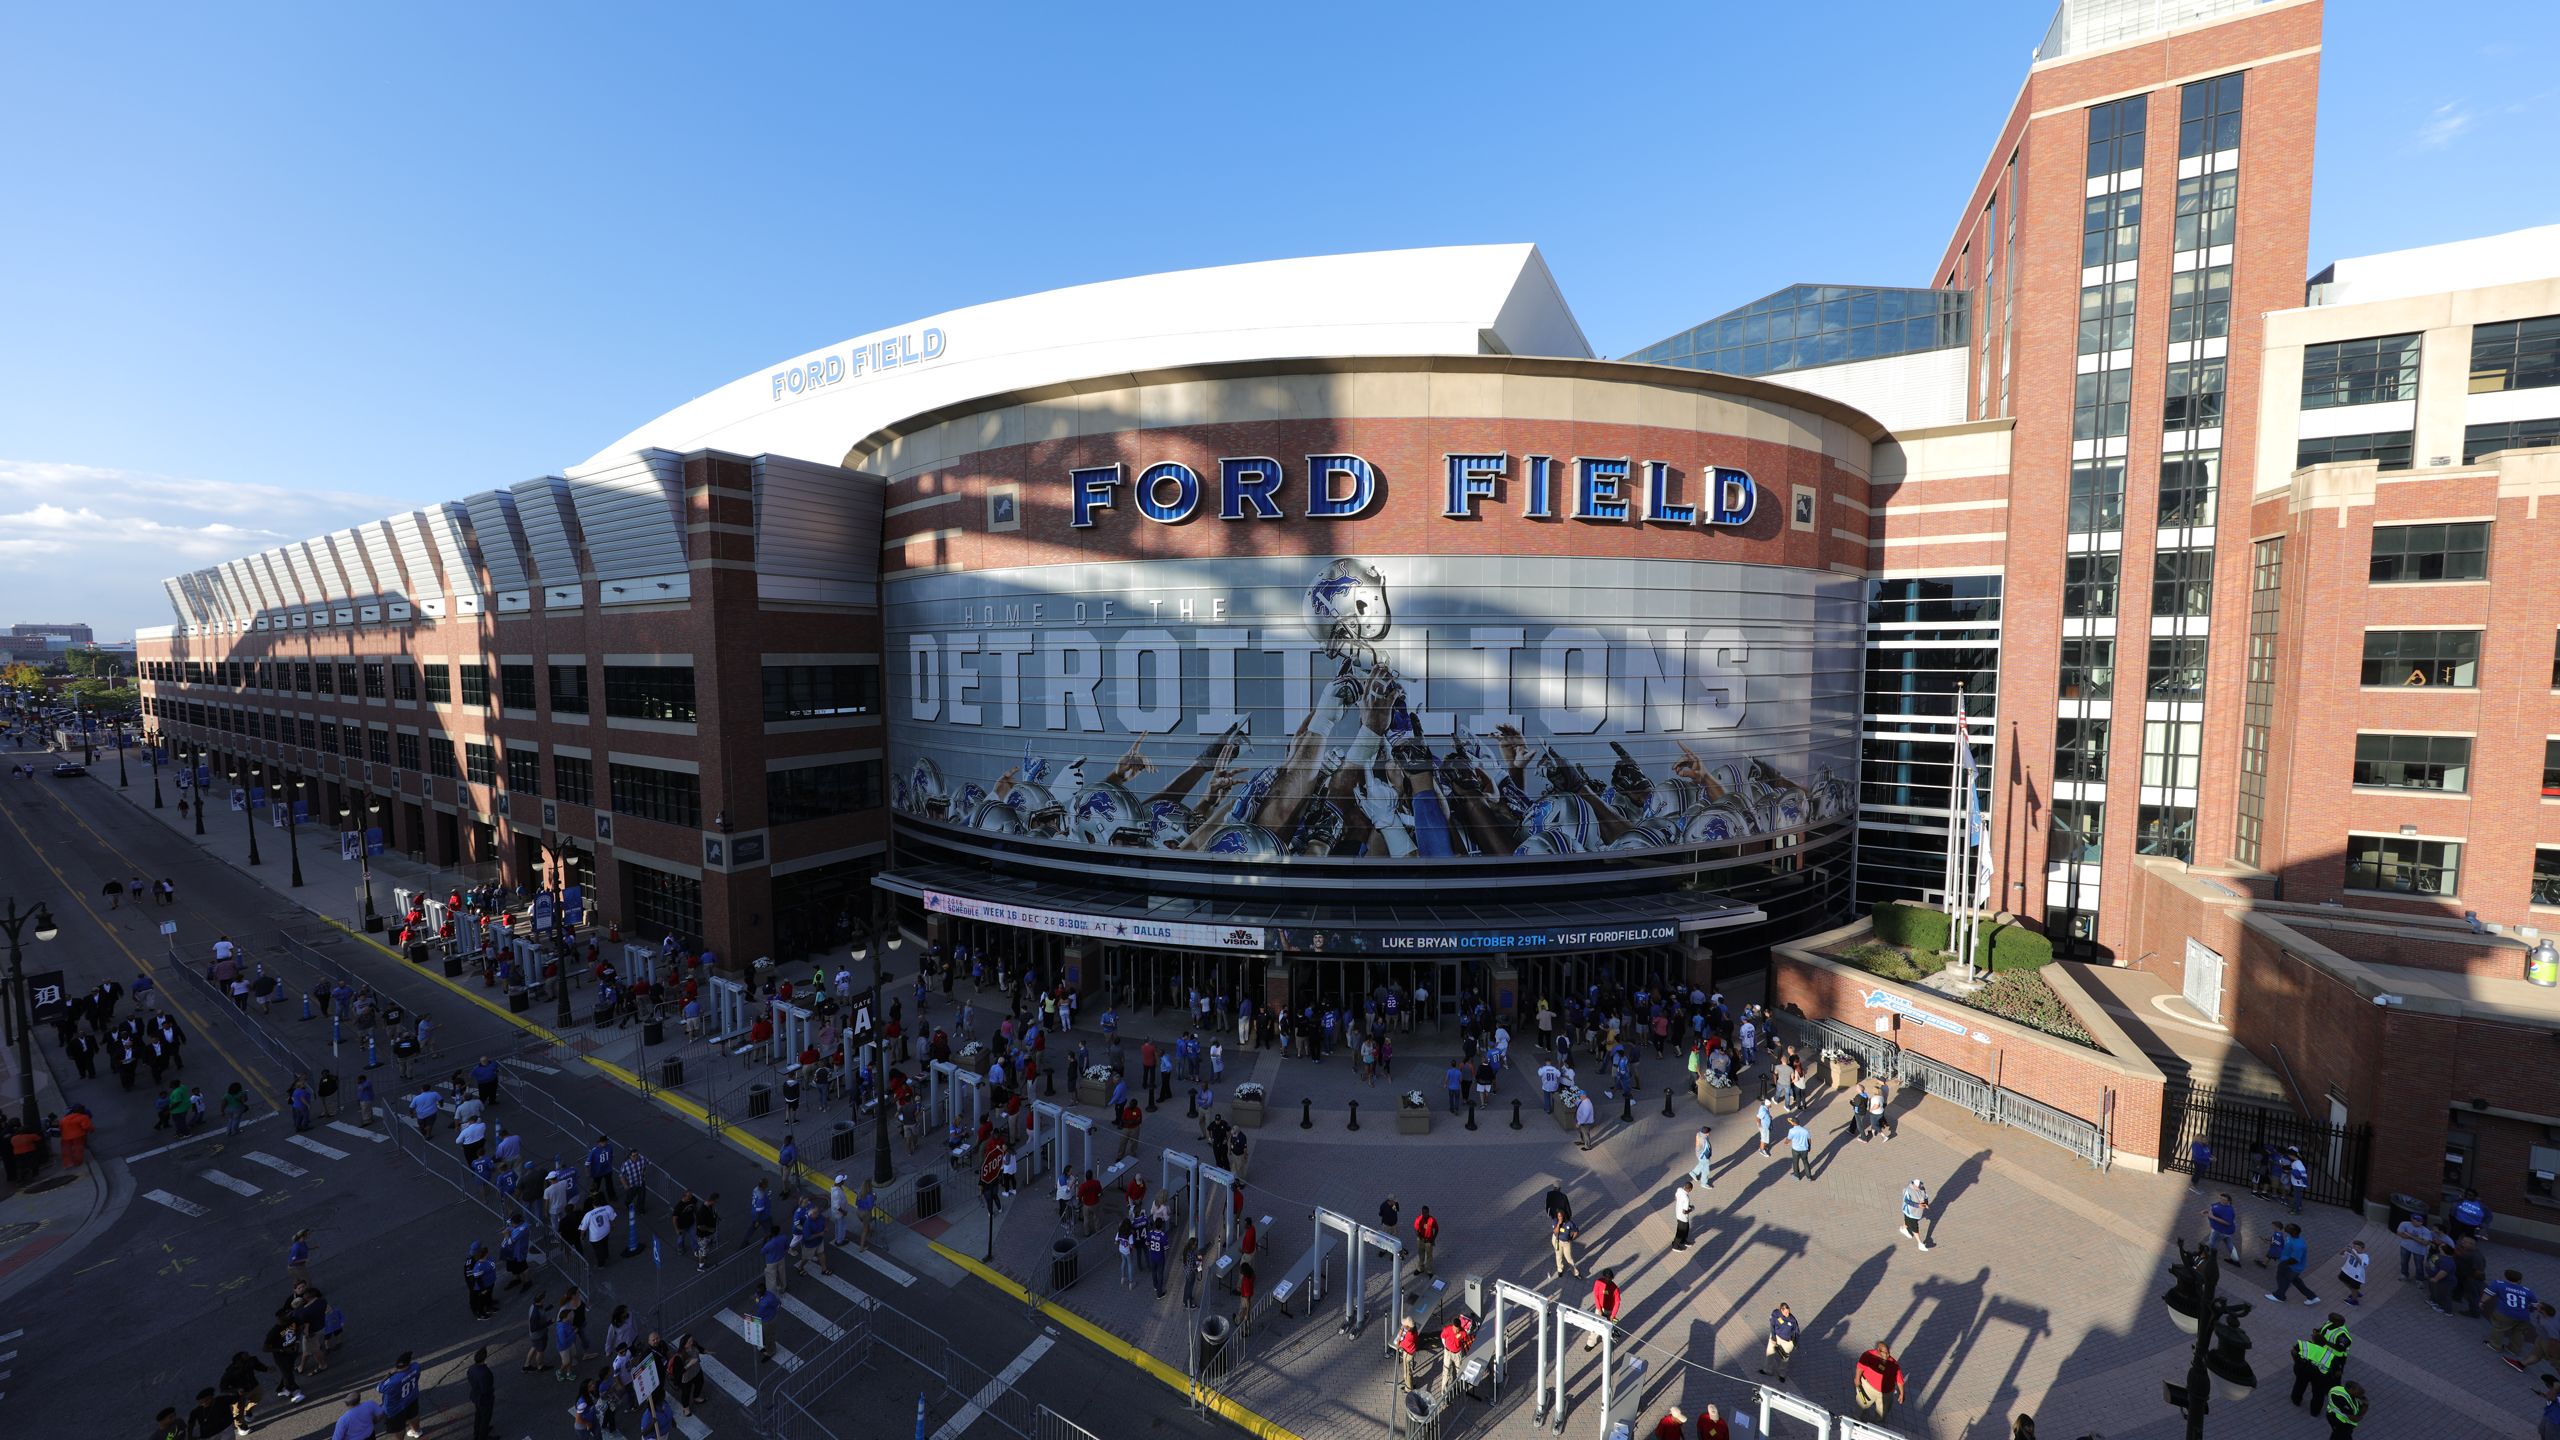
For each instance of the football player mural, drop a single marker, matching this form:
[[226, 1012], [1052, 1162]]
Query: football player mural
[[1472, 734]]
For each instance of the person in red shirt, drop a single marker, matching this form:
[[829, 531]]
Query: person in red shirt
[[1089, 1196], [1672, 1426], [1251, 1236], [1606, 1297], [1711, 1425], [1879, 1382], [1426, 1229], [1455, 1339], [1408, 1352], [1135, 1192], [1244, 1298]]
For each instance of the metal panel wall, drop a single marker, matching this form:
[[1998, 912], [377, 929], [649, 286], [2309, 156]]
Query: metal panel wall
[[306, 575], [350, 556], [817, 533], [382, 552], [448, 524], [423, 584], [542, 507], [502, 549], [628, 513]]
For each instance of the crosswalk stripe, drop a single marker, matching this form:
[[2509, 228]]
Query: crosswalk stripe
[[188, 1208], [12, 1335], [800, 1311], [844, 1287], [358, 1131], [727, 1379], [282, 1167], [995, 1387], [692, 1426], [234, 1185], [737, 1324], [536, 1069], [885, 1266], [325, 1152]]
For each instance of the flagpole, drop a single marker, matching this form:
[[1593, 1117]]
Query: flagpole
[[1955, 821]]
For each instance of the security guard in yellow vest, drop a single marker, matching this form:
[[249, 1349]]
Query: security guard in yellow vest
[[2311, 1363], [2346, 1410], [2334, 1335]]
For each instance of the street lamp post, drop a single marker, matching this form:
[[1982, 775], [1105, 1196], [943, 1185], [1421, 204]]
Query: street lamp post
[[292, 824], [122, 781], [364, 857], [884, 938], [88, 748], [195, 772], [15, 921], [151, 750], [248, 812]]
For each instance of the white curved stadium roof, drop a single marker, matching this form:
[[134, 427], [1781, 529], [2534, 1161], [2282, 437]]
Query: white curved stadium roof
[[1451, 300]]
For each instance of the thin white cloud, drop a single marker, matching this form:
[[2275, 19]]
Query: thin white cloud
[[2442, 127]]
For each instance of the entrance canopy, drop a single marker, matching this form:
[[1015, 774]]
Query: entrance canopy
[[1377, 926]]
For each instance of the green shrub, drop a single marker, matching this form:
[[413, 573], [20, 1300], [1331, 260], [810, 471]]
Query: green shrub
[[2024, 997], [2015, 947], [1891, 962], [1913, 927]]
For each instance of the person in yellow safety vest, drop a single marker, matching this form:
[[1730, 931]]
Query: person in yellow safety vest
[[2346, 1410], [2335, 1335], [2311, 1362]]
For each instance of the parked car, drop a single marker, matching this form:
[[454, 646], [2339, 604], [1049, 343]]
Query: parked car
[[68, 769]]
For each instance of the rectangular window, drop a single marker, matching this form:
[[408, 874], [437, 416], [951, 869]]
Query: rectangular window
[[649, 692], [2097, 496], [440, 756], [404, 680], [2115, 135], [655, 902], [2446, 658], [2209, 116], [373, 680], [2089, 584], [573, 779], [2546, 876], [309, 731], [818, 792], [480, 762], [2194, 399], [2177, 667], [515, 687], [475, 686], [2208, 211], [2079, 828], [524, 772], [350, 681], [2165, 830], [2480, 440], [406, 749], [2188, 484], [648, 793], [328, 737], [810, 692], [2389, 449], [302, 676], [2360, 372], [568, 689], [2088, 669], [2414, 762], [2182, 582], [2110, 228], [439, 683], [2402, 865], [2258, 696], [2106, 318], [2551, 769], [2515, 355], [2408, 553], [2080, 750], [2200, 304], [2101, 404]]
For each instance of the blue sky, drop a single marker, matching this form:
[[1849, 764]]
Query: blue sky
[[272, 269]]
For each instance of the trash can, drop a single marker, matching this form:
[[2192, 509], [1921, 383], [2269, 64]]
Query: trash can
[[417, 952], [671, 1070], [928, 1195], [2404, 1206], [1213, 1338], [1062, 1264], [519, 999], [452, 966], [841, 1147], [759, 1100], [653, 1032]]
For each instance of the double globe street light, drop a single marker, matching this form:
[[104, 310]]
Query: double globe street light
[[884, 940]]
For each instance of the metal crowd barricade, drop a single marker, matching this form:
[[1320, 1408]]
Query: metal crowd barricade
[[2084, 1138]]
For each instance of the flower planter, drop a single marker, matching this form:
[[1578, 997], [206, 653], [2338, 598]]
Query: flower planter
[[1844, 1073], [1564, 1109], [1245, 1114], [1092, 1092], [1720, 1099], [1412, 1121]]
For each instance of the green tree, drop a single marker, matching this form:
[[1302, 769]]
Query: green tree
[[84, 660], [22, 676]]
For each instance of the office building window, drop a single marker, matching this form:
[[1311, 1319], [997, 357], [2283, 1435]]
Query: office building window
[[2258, 696], [2106, 318], [568, 689], [439, 678], [404, 680], [818, 792], [2515, 355], [2110, 229], [2407, 553], [350, 680], [648, 793], [2360, 372], [524, 771], [2389, 449], [406, 747], [2208, 211], [2209, 116], [2097, 496], [2165, 830], [2551, 769], [2079, 826], [2101, 404], [2412, 658], [373, 680], [2480, 440], [2188, 482], [2080, 750], [475, 686], [440, 756], [2182, 582], [573, 779], [809, 692], [2194, 398], [308, 732], [649, 692], [2401, 865], [2089, 584], [480, 762], [2546, 876], [377, 746], [2115, 135], [324, 678], [2414, 762], [302, 677], [515, 687], [328, 737], [2088, 669], [655, 902], [2177, 667], [2200, 304]]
